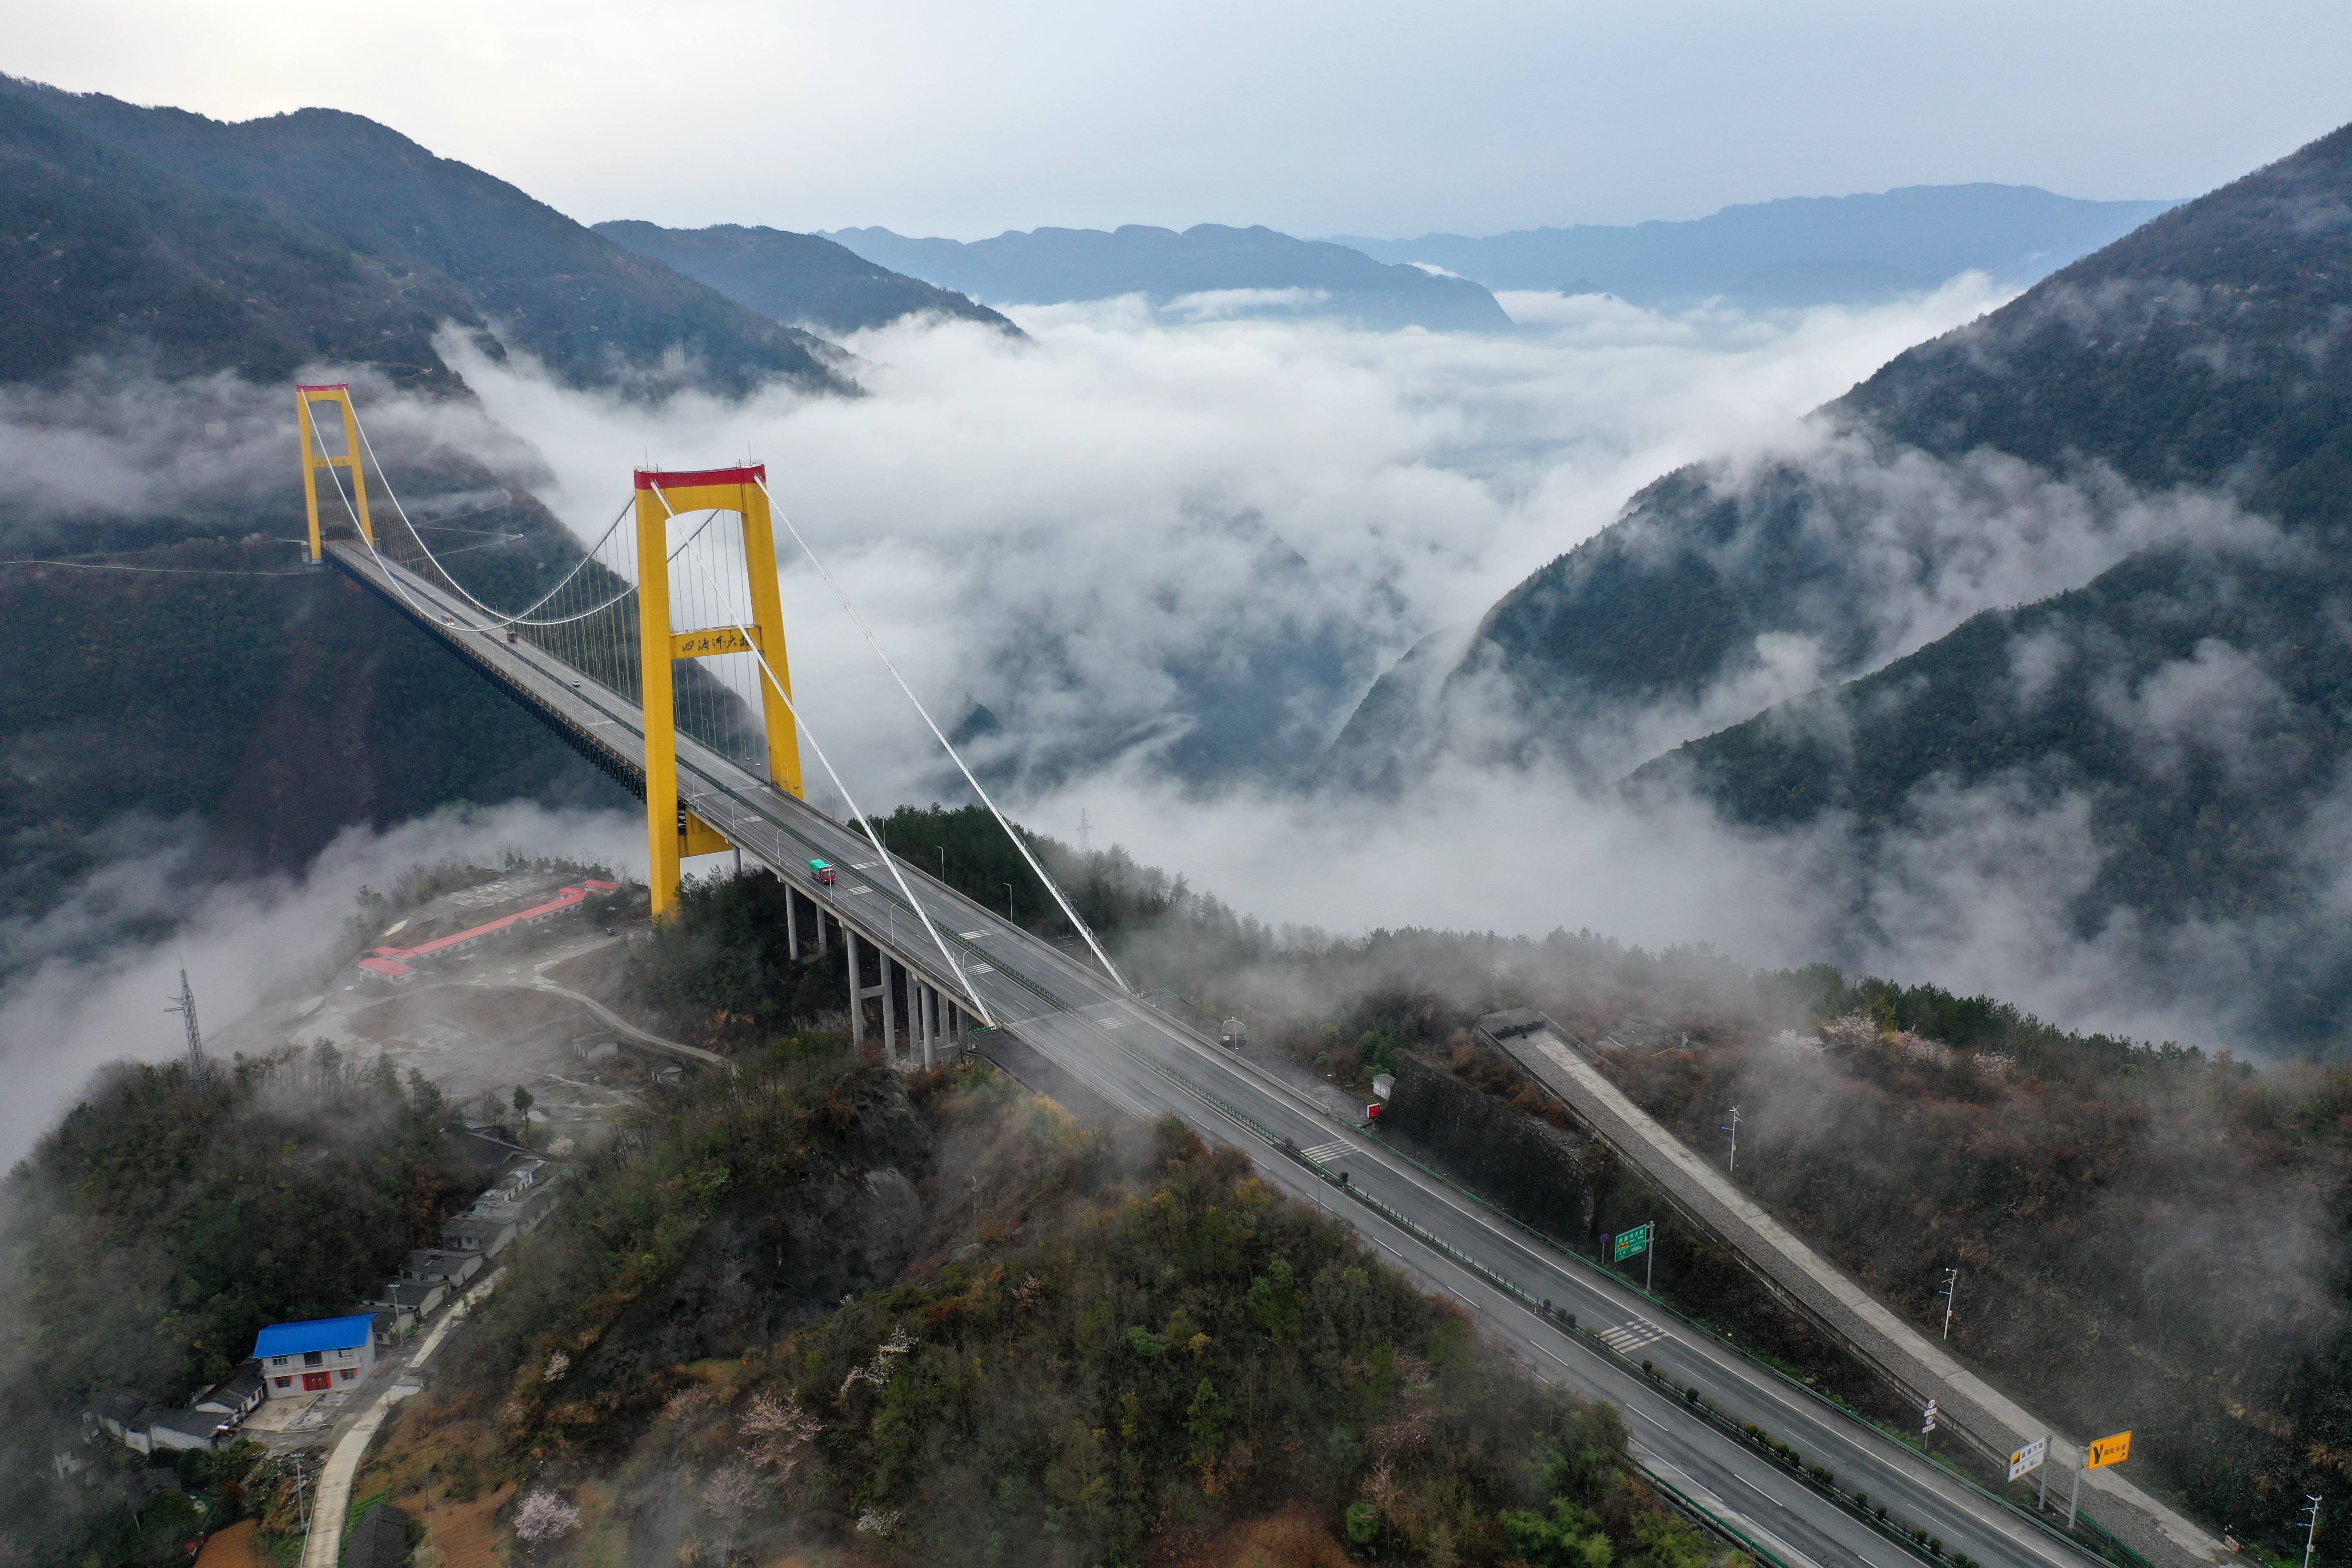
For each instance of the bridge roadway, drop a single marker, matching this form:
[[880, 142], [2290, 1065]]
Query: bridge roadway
[[1148, 1065]]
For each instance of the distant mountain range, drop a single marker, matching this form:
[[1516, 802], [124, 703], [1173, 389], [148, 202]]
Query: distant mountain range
[[805, 279], [2096, 544], [1807, 250], [1049, 266]]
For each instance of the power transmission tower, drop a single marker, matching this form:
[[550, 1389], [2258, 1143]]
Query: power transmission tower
[[185, 1005]]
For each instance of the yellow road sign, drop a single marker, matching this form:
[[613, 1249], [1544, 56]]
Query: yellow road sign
[[2106, 1451]]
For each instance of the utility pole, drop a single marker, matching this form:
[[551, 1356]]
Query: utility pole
[[1732, 1127], [2310, 1529], [185, 1005], [1949, 1292]]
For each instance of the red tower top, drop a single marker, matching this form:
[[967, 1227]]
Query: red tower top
[[661, 479]]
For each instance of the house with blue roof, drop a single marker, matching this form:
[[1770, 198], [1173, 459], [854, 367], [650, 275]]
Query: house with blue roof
[[316, 1354]]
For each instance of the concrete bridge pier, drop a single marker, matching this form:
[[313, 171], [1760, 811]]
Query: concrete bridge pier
[[889, 1010], [856, 992], [792, 922]]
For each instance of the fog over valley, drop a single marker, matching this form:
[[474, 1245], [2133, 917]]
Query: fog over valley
[[1620, 841]]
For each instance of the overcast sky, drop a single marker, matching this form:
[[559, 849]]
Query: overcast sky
[[1309, 115]]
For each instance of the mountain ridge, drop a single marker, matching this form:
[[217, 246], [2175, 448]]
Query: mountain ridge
[[338, 194], [1051, 266], [797, 278], [1861, 248]]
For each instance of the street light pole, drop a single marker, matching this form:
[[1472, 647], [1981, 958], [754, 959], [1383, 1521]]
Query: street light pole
[[2311, 1531], [1008, 901], [1950, 1291], [1733, 1128]]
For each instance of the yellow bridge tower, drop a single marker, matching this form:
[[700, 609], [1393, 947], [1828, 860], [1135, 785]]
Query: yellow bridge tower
[[673, 833], [314, 456]]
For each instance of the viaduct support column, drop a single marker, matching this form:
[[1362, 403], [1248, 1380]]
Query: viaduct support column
[[791, 924], [889, 1011], [930, 1026], [857, 1001]]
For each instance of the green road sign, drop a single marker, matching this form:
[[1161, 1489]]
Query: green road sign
[[1633, 1243]]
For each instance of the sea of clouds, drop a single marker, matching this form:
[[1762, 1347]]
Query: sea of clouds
[[1169, 547]]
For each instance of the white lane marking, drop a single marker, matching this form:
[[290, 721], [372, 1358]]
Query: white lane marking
[[1336, 1149], [1759, 1491], [972, 935], [1647, 1417], [982, 969]]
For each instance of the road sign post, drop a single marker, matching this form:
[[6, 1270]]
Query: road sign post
[[2106, 1451], [1637, 1240], [1927, 1423]]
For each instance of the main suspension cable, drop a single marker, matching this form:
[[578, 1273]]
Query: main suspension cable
[[937, 733], [503, 619]]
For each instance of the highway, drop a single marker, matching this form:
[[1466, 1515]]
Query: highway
[[1148, 1065]]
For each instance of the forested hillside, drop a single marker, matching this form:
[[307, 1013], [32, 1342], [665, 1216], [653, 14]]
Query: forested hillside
[[2200, 350], [1065, 1347], [219, 691], [159, 1228], [101, 252], [339, 207], [2150, 453], [2151, 1235]]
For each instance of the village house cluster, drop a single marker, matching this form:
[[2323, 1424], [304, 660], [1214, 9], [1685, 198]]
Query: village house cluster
[[320, 1355]]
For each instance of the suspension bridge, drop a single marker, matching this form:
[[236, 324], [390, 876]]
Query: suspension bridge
[[660, 656]]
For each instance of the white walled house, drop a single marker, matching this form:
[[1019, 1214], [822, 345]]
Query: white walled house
[[316, 1355]]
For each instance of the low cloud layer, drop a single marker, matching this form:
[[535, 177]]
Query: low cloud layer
[[1130, 534], [1201, 543], [88, 989]]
